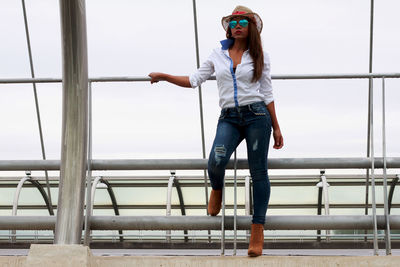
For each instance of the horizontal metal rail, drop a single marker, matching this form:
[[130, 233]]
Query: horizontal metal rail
[[274, 222], [202, 206], [145, 183], [145, 178], [200, 164], [274, 77], [199, 236], [30, 80]]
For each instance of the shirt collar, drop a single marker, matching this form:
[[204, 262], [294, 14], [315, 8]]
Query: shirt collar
[[227, 43]]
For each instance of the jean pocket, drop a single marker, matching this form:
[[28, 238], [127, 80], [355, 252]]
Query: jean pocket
[[222, 114], [259, 110]]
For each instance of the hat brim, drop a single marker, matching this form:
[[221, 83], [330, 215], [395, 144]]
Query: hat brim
[[225, 20]]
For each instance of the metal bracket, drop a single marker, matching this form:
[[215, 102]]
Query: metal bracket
[[324, 185]]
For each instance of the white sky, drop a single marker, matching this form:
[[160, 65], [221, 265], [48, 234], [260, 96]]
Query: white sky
[[319, 118]]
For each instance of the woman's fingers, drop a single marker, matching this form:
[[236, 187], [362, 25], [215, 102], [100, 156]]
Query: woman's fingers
[[278, 142], [153, 77], [278, 139]]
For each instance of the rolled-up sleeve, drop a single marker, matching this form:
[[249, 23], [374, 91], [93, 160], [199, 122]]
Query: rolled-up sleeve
[[265, 81], [203, 73]]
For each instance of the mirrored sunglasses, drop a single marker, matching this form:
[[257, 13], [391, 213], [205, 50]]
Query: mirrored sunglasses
[[243, 22]]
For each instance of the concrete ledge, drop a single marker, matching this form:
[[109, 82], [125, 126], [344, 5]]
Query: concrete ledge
[[240, 261], [81, 256], [58, 256], [12, 261]]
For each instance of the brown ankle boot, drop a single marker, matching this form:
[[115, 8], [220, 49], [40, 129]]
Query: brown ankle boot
[[256, 240], [214, 205]]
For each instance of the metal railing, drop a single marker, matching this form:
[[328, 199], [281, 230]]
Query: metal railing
[[76, 24], [273, 163], [95, 185], [274, 222]]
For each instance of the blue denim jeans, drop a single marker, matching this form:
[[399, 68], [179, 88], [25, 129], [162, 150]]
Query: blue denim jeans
[[253, 123]]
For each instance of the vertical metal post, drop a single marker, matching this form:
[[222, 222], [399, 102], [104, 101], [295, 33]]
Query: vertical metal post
[[169, 198], [74, 127], [371, 130], [89, 203], [28, 41], [325, 186], [15, 205], [96, 181], [201, 109], [371, 45], [235, 205], [375, 230], [385, 194], [319, 208]]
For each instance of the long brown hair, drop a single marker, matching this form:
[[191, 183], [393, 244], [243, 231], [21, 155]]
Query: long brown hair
[[255, 48]]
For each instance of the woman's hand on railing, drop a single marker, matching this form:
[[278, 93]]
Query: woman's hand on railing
[[178, 80], [156, 77]]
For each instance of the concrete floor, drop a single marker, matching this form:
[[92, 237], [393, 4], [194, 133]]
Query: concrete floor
[[53, 256], [217, 252], [214, 261]]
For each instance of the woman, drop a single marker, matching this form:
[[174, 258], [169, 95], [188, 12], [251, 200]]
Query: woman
[[247, 111]]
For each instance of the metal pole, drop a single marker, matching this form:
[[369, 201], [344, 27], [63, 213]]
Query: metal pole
[[89, 207], [17, 193], [169, 197], [93, 192], [325, 186], [371, 46], [15, 204], [201, 107], [385, 194], [235, 205], [89, 204], [74, 133], [373, 176], [371, 37], [273, 77], [200, 164], [275, 222], [36, 100]]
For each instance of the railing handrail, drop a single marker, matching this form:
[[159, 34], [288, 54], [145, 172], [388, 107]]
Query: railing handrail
[[183, 177], [274, 77], [200, 164], [274, 222]]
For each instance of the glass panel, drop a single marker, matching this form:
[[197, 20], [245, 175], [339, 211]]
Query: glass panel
[[141, 195], [294, 195]]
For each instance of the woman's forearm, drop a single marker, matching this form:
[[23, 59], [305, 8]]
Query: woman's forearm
[[271, 109], [178, 80]]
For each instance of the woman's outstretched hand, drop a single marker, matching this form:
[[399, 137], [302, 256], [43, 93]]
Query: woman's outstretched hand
[[156, 77], [278, 138], [178, 80]]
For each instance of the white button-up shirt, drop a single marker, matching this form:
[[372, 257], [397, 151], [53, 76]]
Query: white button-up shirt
[[235, 88]]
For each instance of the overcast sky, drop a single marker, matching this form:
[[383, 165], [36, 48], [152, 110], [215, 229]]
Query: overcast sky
[[318, 118]]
